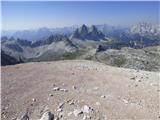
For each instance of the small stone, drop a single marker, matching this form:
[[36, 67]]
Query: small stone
[[64, 90], [86, 109], [5, 108], [70, 113], [78, 101], [56, 118], [72, 73], [125, 101], [25, 117], [46, 109], [136, 85], [103, 96], [82, 100], [95, 88], [59, 110], [154, 84], [47, 116], [139, 80], [71, 102], [51, 95], [31, 104], [84, 117], [60, 115], [61, 105], [56, 89], [77, 112], [74, 87], [14, 118], [33, 99], [105, 117], [158, 90], [97, 103], [133, 78], [88, 117]]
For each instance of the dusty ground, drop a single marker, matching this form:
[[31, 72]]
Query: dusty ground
[[111, 93]]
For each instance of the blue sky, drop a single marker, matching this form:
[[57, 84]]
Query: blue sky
[[31, 15]]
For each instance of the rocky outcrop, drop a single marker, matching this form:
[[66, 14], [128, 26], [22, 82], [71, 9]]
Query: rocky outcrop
[[86, 33]]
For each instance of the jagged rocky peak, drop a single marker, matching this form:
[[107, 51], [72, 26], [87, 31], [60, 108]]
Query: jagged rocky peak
[[94, 29], [83, 31], [91, 33]]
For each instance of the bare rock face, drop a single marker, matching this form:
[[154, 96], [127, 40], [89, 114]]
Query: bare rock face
[[47, 116]]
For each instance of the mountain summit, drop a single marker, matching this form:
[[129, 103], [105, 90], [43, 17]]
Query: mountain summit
[[86, 33]]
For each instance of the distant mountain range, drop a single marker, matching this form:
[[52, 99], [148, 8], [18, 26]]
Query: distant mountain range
[[143, 29], [79, 43], [39, 34]]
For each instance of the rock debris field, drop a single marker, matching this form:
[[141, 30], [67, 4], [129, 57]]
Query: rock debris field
[[78, 90]]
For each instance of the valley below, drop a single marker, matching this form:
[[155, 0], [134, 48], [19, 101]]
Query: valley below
[[76, 90], [140, 51]]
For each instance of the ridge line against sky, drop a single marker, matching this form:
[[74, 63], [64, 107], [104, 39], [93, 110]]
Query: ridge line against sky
[[33, 15]]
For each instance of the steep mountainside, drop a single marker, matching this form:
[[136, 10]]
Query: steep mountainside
[[8, 60]]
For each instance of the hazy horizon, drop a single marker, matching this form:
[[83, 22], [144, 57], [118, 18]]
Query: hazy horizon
[[51, 14]]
